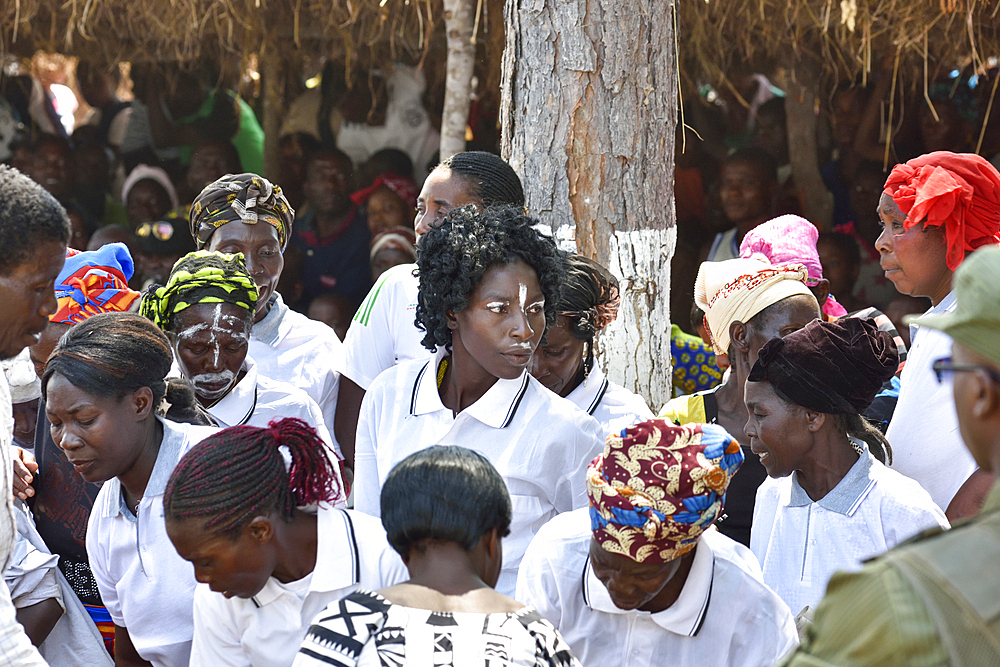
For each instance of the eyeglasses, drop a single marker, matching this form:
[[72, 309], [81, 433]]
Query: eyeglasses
[[945, 367], [158, 230]]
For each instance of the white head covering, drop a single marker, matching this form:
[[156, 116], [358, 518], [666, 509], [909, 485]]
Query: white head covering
[[141, 173], [737, 289], [24, 384]]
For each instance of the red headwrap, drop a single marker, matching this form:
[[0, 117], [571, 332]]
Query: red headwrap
[[959, 191]]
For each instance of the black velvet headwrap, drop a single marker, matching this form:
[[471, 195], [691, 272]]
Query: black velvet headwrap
[[831, 367]]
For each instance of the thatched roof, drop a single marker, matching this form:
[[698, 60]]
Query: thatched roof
[[849, 37]]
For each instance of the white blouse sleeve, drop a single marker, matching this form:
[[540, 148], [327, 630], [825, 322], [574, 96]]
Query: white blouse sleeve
[[216, 639]]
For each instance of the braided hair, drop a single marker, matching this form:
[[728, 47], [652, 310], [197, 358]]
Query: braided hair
[[590, 301], [454, 257], [239, 473], [492, 179]]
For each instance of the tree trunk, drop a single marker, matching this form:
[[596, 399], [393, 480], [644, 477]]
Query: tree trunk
[[273, 112], [458, 19], [800, 84], [588, 117]]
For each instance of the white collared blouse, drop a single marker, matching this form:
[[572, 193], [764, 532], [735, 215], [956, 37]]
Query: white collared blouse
[[141, 577], [800, 543], [289, 347], [540, 443], [725, 615], [612, 405], [267, 629]]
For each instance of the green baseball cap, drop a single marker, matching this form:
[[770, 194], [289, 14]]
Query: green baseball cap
[[975, 322]]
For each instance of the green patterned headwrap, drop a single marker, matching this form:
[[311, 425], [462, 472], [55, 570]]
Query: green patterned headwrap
[[246, 198], [200, 277]]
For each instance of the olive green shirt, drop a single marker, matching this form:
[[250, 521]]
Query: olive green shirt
[[932, 601]]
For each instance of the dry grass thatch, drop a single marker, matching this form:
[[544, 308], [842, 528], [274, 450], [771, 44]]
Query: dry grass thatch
[[851, 38]]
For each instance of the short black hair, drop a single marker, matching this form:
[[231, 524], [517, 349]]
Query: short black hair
[[759, 158], [28, 216], [492, 179], [453, 257], [445, 493], [846, 243], [335, 153]]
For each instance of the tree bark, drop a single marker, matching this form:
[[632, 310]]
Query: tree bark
[[458, 19], [800, 84], [273, 112], [588, 117]]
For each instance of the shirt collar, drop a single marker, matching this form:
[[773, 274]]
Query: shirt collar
[[685, 616], [496, 408], [946, 305], [589, 393], [166, 461], [336, 549], [236, 407], [850, 492], [267, 330]]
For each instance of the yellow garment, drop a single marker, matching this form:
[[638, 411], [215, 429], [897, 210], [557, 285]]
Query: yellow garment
[[684, 410]]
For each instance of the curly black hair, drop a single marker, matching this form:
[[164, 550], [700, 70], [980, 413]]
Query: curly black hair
[[453, 257], [28, 216]]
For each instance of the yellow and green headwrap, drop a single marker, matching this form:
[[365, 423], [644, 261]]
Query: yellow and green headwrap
[[246, 198], [200, 277]]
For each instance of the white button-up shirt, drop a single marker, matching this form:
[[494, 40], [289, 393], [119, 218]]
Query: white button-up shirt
[[267, 630], [146, 586], [289, 347], [612, 405], [725, 615], [383, 332], [540, 443], [801, 543], [926, 443]]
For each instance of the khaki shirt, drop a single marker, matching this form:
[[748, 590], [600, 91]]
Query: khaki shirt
[[932, 601]]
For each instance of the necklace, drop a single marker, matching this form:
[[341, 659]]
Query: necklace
[[441, 371]]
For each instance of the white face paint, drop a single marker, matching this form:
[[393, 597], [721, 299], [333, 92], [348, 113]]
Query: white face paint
[[210, 334], [212, 386]]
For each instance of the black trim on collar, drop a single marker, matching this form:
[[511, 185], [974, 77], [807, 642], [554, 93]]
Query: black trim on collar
[[416, 384], [356, 554], [517, 401], [252, 408], [600, 396], [583, 580], [708, 601]]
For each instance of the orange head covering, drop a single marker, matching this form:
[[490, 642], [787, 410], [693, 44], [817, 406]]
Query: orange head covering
[[958, 190]]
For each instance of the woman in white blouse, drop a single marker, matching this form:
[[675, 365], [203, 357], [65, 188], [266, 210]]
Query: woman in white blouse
[[830, 502], [446, 511], [488, 289], [564, 361]]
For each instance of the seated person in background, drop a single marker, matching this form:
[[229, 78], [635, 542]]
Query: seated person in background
[[391, 248], [269, 547], [386, 160], [161, 244], [207, 309], [446, 511], [389, 202], [333, 236], [148, 195], [933, 600], [927, 231], [109, 115], [93, 184], [296, 147], [904, 305], [747, 185], [51, 166], [831, 502], [210, 161], [245, 213], [333, 310], [747, 302], [564, 362], [695, 365], [640, 577], [841, 260], [25, 392], [489, 287]]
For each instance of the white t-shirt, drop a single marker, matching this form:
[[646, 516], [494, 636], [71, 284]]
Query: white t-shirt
[[801, 543], [540, 443], [146, 586], [383, 332], [289, 347], [725, 615], [612, 405], [267, 630], [926, 443]]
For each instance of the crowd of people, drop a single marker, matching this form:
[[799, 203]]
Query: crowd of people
[[260, 423]]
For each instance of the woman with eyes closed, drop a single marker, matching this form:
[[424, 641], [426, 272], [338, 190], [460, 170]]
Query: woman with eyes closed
[[383, 332], [105, 388], [207, 309], [564, 361], [489, 283]]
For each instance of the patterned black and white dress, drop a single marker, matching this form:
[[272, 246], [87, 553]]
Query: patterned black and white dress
[[366, 630]]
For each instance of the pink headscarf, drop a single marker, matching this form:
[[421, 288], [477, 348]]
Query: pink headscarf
[[790, 239]]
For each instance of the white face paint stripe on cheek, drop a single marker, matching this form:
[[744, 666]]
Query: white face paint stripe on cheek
[[522, 295]]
